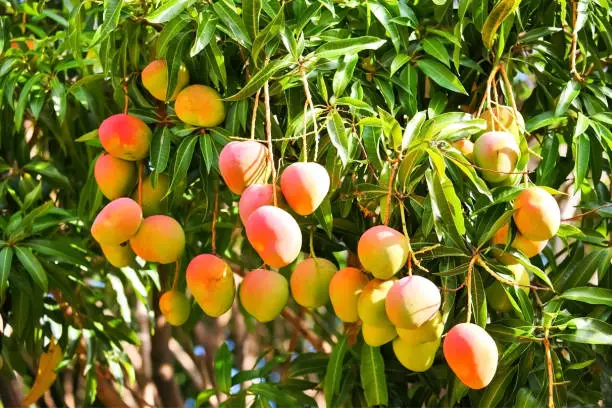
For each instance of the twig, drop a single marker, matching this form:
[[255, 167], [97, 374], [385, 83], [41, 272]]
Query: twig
[[411, 254], [574, 49], [269, 137], [213, 228], [292, 318], [390, 192], [253, 120], [576, 217], [506, 281], [312, 108], [549, 369]]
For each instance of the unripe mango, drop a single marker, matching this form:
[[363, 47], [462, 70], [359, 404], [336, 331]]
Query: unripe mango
[[275, 235], [528, 247], [155, 79], [431, 330], [199, 105], [371, 303], [175, 307], [505, 120], [115, 177], [472, 354], [304, 186], [255, 196], [496, 151], [160, 239], [211, 282], [382, 251], [536, 214], [466, 147], [125, 137], [496, 295], [377, 336], [117, 222], [310, 282], [344, 290], [264, 294], [412, 301], [416, 357], [244, 163], [118, 255], [153, 201]]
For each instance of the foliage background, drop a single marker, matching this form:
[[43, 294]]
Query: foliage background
[[391, 83]]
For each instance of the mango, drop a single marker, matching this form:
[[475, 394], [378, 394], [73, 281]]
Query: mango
[[377, 336], [117, 222], [255, 196], [275, 235], [528, 247], [264, 294], [505, 120], [416, 357], [153, 201], [496, 151], [310, 282], [472, 354], [412, 301], [496, 295], [199, 105], [118, 255], [537, 214], [244, 163], [382, 251], [429, 331], [115, 177], [466, 147], [344, 290], [304, 186], [175, 307], [211, 282], [371, 303], [125, 137], [160, 239], [155, 79]]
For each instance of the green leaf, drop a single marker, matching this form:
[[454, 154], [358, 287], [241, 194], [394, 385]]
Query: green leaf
[[6, 259], [588, 331], [204, 396], [577, 274], [338, 136], [24, 98], [495, 391], [168, 10], [567, 96], [590, 295], [259, 79], [250, 15], [500, 222], [385, 18], [207, 24], [344, 74], [268, 33], [440, 75], [33, 266], [223, 368], [174, 60], [335, 367], [337, 48], [160, 148], [112, 12], [413, 127], [398, 61], [582, 152], [184, 154], [434, 47], [237, 30], [372, 371], [496, 17], [525, 399]]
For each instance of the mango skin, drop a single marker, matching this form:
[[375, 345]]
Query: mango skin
[[125, 137], [377, 336], [472, 354], [412, 301], [526, 246], [117, 222], [155, 79], [244, 163], [264, 294], [310, 282], [429, 331], [160, 239], [382, 251], [211, 282], [200, 105], [255, 196], [115, 177], [175, 307], [506, 121], [153, 201], [304, 186], [466, 147], [275, 235], [416, 357], [537, 214], [371, 303], [497, 151], [344, 290], [496, 295], [119, 256]]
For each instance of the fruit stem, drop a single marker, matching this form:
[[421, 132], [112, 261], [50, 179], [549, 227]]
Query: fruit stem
[[468, 284], [574, 50], [465, 163], [496, 107], [312, 253], [502, 69], [140, 171], [176, 274], [253, 120], [487, 95], [312, 109], [506, 281], [390, 192], [126, 99], [213, 227], [304, 139], [549, 369], [269, 137]]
